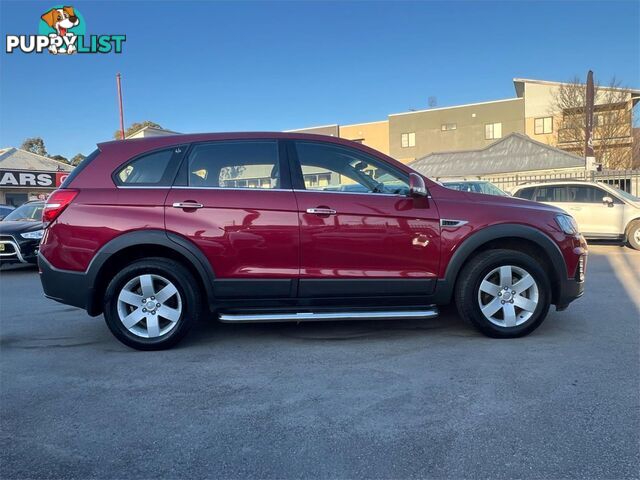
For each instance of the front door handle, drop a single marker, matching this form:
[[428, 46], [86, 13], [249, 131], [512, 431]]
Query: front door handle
[[187, 205], [321, 211]]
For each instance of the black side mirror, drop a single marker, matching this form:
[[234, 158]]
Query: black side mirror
[[417, 187]]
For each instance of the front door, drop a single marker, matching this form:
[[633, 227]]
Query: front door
[[361, 234], [595, 217], [232, 201]]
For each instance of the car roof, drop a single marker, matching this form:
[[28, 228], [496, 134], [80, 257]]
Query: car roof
[[567, 182]]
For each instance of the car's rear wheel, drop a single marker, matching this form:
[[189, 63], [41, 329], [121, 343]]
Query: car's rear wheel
[[151, 304], [633, 235], [503, 293]]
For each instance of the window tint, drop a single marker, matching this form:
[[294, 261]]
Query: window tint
[[340, 169], [147, 170], [587, 194], [554, 193], [526, 193], [242, 164]]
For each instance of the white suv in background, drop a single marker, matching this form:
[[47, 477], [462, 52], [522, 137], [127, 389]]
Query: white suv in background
[[602, 212]]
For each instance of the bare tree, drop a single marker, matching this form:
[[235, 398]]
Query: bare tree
[[612, 121]]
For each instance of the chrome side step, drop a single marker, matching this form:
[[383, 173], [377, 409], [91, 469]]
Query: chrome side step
[[430, 312]]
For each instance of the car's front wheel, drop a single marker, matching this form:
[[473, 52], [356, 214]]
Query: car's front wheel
[[503, 293], [151, 304]]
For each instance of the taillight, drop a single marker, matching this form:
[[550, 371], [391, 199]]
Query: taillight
[[56, 203]]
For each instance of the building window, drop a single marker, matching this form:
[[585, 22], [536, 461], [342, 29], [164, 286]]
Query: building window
[[543, 125], [408, 140], [448, 126], [492, 131]]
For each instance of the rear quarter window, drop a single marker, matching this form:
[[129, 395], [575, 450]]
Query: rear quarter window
[[151, 169], [525, 193]]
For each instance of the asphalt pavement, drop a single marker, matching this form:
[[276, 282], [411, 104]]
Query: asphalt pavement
[[385, 399]]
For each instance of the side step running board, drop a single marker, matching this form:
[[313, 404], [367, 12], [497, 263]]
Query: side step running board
[[424, 313]]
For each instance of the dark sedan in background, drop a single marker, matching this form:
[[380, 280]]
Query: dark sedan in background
[[20, 234]]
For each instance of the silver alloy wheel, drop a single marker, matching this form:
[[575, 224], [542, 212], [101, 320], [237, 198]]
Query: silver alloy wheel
[[508, 296], [149, 306], [636, 235]]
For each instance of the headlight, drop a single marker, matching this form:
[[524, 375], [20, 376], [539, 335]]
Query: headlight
[[36, 235], [567, 224]]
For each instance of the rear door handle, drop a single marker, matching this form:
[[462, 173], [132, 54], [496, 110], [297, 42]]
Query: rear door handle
[[321, 211], [187, 205]]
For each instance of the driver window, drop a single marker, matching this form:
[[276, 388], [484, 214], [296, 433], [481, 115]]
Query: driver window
[[333, 168]]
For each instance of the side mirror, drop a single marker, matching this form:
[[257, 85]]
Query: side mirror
[[608, 201], [417, 188]]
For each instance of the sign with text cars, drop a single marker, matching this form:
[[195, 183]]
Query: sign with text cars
[[30, 179]]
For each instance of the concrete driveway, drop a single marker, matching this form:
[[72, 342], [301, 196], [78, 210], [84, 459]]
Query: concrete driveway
[[343, 400]]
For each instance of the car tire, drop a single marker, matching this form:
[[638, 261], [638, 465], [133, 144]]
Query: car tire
[[633, 234], [484, 293], [152, 304]]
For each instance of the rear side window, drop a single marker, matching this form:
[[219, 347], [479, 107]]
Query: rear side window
[[553, 193], [153, 169], [237, 164], [526, 193], [81, 166]]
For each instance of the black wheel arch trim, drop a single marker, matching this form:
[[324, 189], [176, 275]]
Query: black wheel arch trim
[[170, 240], [465, 250]]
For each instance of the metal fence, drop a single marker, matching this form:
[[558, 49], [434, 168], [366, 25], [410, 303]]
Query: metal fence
[[627, 180]]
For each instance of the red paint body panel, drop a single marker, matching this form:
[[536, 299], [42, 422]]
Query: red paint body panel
[[249, 233], [371, 236], [97, 216], [243, 233]]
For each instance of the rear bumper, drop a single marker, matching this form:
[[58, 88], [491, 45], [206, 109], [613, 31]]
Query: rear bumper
[[64, 286]]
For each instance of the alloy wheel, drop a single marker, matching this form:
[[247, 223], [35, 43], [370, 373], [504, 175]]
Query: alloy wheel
[[508, 296], [149, 306]]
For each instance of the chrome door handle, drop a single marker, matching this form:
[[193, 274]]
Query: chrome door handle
[[187, 205], [321, 211]]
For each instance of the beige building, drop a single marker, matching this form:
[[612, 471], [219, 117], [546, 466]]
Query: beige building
[[533, 112]]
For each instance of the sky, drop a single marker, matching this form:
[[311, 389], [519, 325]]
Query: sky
[[205, 66]]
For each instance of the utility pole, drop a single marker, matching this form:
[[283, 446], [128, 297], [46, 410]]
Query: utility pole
[[589, 153], [120, 102]]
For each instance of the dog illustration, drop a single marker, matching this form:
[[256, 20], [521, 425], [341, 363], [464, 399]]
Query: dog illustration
[[61, 20]]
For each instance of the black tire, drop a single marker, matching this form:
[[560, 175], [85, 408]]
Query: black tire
[[188, 291], [633, 234], [472, 275]]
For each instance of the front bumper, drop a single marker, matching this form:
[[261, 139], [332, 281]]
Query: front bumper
[[65, 286], [16, 249], [573, 288]]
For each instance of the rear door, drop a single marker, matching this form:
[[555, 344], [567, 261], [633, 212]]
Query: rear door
[[233, 200], [361, 234]]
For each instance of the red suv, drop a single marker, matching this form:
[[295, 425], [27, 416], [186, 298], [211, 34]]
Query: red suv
[[280, 227]]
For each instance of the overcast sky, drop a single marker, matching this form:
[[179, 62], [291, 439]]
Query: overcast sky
[[215, 66]]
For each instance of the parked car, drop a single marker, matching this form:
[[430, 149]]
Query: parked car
[[156, 232], [20, 234], [5, 210], [476, 186], [601, 211]]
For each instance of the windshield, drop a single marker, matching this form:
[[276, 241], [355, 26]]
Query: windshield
[[626, 195], [487, 188], [29, 212]]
